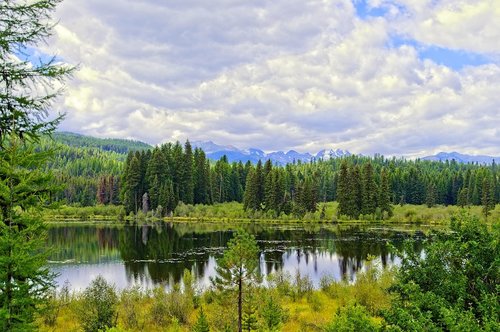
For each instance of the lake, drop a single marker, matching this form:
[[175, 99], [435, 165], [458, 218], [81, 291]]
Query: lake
[[157, 254]]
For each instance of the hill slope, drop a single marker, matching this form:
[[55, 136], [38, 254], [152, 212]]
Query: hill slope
[[106, 144]]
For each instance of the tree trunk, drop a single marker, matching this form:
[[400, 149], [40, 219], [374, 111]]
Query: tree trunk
[[240, 304]]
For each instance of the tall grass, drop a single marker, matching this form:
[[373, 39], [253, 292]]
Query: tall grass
[[231, 212]]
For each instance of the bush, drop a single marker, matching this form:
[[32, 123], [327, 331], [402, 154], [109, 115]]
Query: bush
[[158, 310], [130, 300], [281, 281], [179, 305], [455, 287], [352, 318], [273, 314], [302, 285], [370, 289], [97, 309]]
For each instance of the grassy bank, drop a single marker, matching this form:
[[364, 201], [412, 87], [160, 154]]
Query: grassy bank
[[288, 304], [234, 212]]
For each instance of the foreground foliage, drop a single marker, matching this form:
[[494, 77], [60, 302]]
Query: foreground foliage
[[453, 288], [25, 281], [27, 88], [456, 286]]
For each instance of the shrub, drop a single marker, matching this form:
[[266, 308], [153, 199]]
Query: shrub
[[201, 324], [352, 318], [130, 300], [179, 305], [455, 287], [97, 309], [302, 285], [281, 281], [159, 310]]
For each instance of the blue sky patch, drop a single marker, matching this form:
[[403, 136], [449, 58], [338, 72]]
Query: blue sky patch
[[365, 11], [454, 59], [34, 56]]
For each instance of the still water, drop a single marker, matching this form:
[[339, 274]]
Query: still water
[[157, 254]]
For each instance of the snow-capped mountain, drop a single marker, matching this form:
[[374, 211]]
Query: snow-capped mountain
[[462, 158], [328, 154], [215, 152]]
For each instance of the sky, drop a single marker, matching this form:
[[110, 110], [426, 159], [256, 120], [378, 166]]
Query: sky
[[407, 78]]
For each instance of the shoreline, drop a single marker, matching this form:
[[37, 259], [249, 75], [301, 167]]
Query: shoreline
[[233, 213]]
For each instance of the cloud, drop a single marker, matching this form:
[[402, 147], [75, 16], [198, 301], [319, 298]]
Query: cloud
[[303, 75]]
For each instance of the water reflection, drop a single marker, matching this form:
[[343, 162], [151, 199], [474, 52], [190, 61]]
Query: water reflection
[[149, 255]]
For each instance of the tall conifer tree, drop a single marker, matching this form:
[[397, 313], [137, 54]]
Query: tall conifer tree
[[384, 198], [27, 89], [343, 190], [369, 190]]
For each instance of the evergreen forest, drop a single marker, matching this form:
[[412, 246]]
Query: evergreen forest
[[143, 178]]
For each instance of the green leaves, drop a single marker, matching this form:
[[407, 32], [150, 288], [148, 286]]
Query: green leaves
[[24, 279], [97, 310], [27, 89], [238, 268], [455, 286], [240, 261]]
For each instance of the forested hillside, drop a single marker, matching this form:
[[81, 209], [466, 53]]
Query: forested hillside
[[122, 146], [84, 164]]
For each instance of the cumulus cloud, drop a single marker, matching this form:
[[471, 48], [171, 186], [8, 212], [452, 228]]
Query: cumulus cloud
[[283, 74]]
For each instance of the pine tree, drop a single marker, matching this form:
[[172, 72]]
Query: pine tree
[[236, 190], [222, 180], [308, 196], [25, 279], [270, 191], [201, 324], [28, 87], [355, 192], [384, 198], [187, 182], [259, 182], [279, 190], [369, 190], [27, 90], [201, 177], [251, 196], [101, 190], [268, 167], [132, 186], [430, 198], [249, 321], [177, 170], [343, 190], [462, 200], [154, 193], [272, 314], [237, 269], [487, 199], [156, 168]]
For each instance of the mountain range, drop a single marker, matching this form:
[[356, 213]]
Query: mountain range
[[215, 151], [461, 158]]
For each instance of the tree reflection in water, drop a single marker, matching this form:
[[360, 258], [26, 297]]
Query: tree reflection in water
[[158, 253]]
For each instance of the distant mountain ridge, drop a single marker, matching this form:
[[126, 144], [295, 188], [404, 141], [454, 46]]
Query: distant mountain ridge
[[462, 158], [233, 154]]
